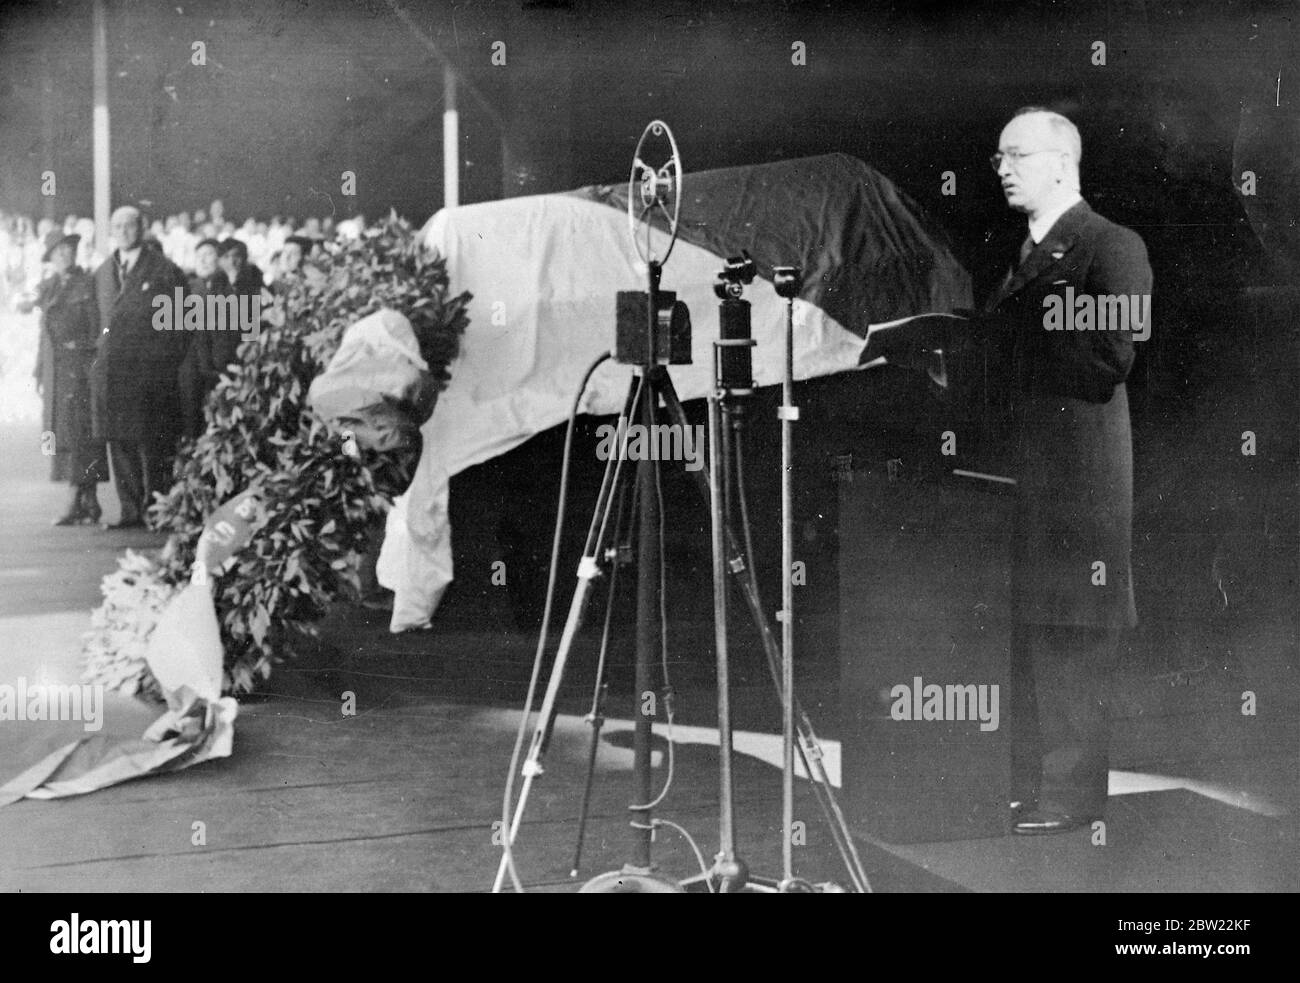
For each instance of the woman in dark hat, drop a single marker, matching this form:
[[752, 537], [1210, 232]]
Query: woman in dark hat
[[69, 330]]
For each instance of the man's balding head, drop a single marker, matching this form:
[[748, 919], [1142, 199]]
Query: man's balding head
[[127, 227], [1064, 133], [1040, 153]]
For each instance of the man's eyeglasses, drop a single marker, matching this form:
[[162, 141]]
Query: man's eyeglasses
[[1015, 157]]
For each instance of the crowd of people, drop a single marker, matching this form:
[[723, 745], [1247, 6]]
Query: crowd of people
[[272, 246], [113, 387]]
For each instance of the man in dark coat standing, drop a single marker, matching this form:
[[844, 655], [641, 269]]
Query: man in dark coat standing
[[136, 367], [1068, 344]]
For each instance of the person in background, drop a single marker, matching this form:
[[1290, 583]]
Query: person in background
[[136, 397], [69, 329], [245, 277], [254, 240], [11, 278], [88, 257], [209, 351], [34, 252], [181, 242], [296, 249], [276, 233]]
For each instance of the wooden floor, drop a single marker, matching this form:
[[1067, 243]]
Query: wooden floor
[[409, 799], [402, 799]]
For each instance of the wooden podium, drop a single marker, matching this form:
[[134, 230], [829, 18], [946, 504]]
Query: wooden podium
[[924, 596]]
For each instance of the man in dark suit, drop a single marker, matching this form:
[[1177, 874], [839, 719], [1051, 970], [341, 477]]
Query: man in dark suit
[[1067, 344], [138, 409]]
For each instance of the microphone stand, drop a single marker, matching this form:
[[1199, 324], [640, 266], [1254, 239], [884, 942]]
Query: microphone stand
[[787, 281]]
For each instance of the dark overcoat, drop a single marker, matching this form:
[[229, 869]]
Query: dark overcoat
[[137, 392], [1073, 446], [208, 352], [69, 330]]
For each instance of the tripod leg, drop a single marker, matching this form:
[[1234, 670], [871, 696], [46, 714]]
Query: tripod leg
[[532, 767], [809, 746], [600, 689], [588, 569], [597, 722]]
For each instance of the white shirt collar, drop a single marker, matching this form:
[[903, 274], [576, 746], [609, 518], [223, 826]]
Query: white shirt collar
[[1039, 227], [127, 257]]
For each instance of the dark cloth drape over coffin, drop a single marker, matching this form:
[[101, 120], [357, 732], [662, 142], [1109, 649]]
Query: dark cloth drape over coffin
[[868, 252]]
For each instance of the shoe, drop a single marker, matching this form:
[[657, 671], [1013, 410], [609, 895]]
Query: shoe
[[414, 629], [126, 524], [1038, 822], [381, 600], [90, 509], [76, 513]]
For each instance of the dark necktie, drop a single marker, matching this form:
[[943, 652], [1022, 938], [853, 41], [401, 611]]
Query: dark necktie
[[1026, 248]]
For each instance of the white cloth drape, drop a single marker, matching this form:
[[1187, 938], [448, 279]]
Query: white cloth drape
[[544, 272]]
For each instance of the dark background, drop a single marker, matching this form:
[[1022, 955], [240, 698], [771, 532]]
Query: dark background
[[296, 91]]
